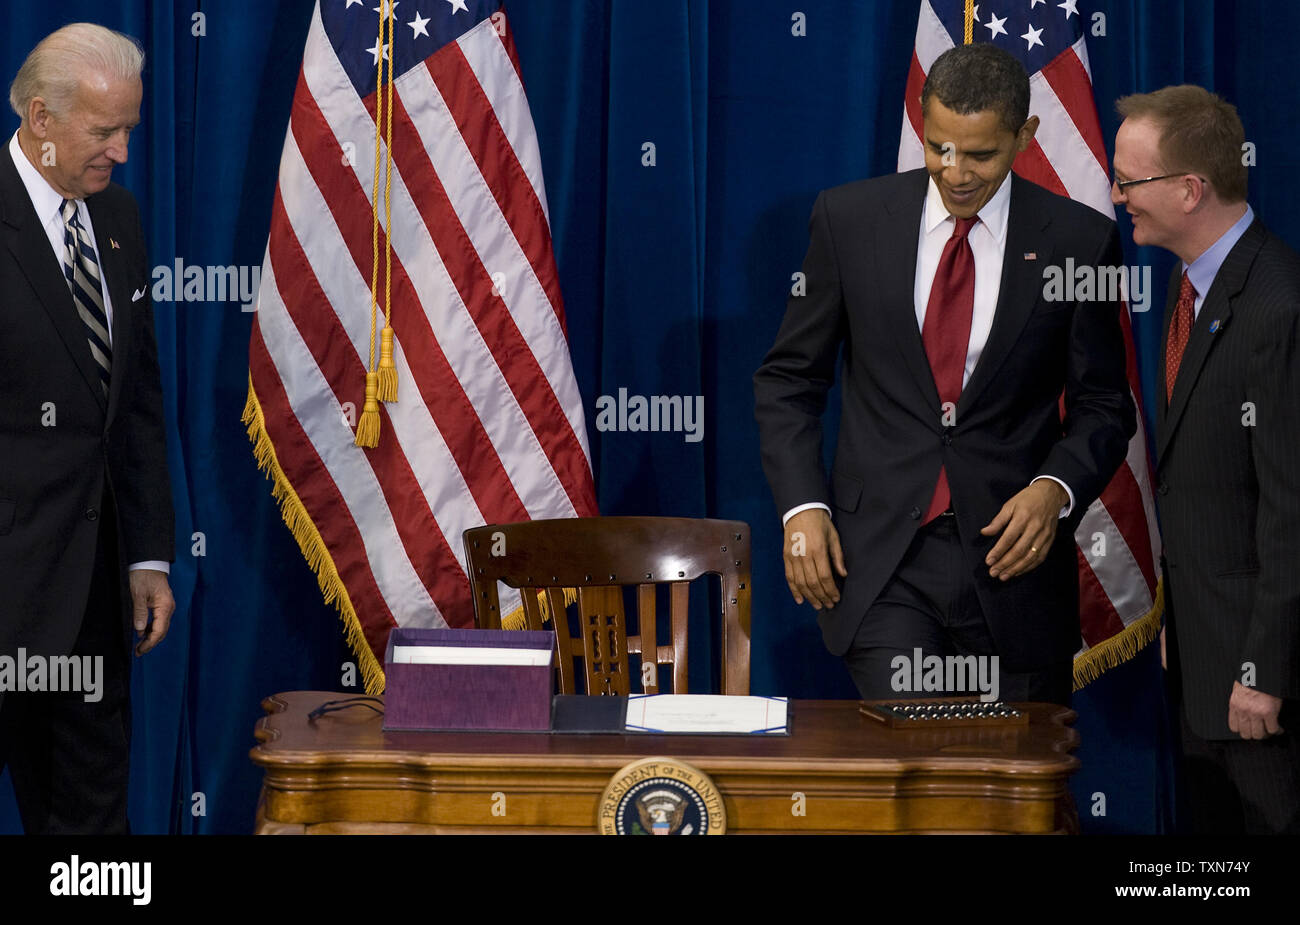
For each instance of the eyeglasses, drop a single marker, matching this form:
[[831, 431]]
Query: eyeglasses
[[1125, 184]]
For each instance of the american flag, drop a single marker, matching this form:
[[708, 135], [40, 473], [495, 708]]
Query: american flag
[[1118, 542], [488, 426]]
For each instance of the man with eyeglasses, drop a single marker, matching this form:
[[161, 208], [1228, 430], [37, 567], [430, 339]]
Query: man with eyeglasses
[[1228, 458]]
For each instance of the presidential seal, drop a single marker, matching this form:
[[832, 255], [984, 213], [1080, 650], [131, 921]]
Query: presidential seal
[[660, 796]]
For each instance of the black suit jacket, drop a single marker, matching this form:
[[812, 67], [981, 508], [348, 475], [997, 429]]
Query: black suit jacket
[[64, 449], [859, 272], [1228, 484]]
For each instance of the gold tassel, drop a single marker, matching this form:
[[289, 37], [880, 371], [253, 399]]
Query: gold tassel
[[516, 620], [368, 426], [1124, 645], [387, 369], [309, 540]]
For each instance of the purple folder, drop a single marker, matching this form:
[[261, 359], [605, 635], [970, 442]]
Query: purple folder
[[514, 698]]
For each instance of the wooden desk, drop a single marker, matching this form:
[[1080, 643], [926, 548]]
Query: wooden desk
[[343, 774]]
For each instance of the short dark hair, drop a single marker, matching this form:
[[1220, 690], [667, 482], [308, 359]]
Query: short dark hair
[[977, 78], [1200, 133]]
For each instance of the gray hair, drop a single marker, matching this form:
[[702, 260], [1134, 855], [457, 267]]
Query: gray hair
[[57, 65]]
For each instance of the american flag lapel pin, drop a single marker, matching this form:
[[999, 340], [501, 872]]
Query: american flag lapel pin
[[1031, 255], [114, 244]]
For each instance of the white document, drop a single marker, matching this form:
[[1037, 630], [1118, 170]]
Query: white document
[[706, 713], [469, 655]]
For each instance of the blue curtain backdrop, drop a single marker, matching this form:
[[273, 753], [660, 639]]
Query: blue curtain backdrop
[[674, 278]]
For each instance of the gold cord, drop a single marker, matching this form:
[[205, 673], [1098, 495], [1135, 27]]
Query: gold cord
[[381, 378]]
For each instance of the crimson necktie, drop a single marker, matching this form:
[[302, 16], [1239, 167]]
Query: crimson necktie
[[1180, 329], [946, 332]]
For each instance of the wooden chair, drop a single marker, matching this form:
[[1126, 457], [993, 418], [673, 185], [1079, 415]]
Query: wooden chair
[[599, 556]]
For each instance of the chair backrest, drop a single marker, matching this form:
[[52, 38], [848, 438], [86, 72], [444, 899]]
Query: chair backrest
[[599, 557]]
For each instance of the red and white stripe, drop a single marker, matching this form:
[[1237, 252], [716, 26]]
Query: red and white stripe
[[488, 426], [1068, 156]]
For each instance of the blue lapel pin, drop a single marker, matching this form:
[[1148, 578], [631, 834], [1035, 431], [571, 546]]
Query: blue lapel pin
[[1214, 326]]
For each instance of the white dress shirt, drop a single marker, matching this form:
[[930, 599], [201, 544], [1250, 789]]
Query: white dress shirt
[[988, 240], [48, 202]]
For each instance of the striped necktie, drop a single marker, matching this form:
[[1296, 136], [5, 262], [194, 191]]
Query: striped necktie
[[81, 267]]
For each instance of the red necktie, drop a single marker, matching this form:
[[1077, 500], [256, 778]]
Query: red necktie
[[1180, 329], [946, 332]]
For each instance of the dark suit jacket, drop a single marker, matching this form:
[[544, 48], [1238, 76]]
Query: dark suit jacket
[[64, 449], [1229, 489], [859, 270]]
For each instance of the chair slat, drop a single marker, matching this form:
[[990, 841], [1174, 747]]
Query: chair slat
[[563, 642], [679, 596], [647, 628], [604, 640], [532, 609]]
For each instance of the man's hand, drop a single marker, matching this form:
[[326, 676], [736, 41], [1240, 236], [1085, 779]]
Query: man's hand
[[149, 590], [811, 543], [1252, 714], [1028, 526]]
